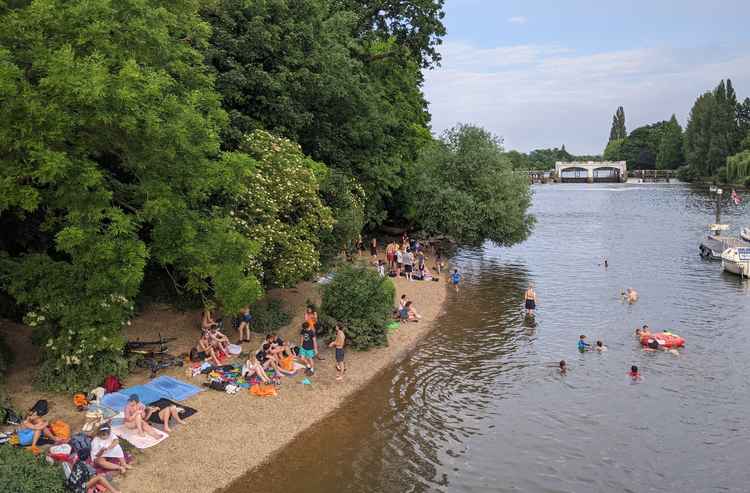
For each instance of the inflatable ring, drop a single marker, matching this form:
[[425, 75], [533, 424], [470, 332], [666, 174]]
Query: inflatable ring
[[665, 339]]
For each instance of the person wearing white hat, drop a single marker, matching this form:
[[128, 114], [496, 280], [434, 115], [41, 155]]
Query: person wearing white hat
[[105, 446]]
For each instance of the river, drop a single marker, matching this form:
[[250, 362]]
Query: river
[[479, 406]]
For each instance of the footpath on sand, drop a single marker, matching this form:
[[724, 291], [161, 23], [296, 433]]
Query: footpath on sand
[[231, 434]]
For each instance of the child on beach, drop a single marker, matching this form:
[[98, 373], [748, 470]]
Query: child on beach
[[338, 344], [309, 343], [583, 346], [455, 279], [381, 268]]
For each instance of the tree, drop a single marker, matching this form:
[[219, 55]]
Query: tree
[[698, 135], [466, 189], [109, 159], [299, 69], [613, 151], [618, 131], [642, 146], [280, 208], [414, 24], [743, 119], [670, 155]]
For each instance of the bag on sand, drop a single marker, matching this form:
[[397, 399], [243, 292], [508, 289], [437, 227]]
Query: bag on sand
[[112, 384], [263, 390], [60, 429]]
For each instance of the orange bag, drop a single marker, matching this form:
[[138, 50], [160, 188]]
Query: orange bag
[[79, 400], [60, 429], [263, 390]]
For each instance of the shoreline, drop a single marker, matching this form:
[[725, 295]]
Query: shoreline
[[235, 434]]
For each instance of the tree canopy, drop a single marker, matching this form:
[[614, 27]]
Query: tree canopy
[[670, 155], [618, 131], [464, 186]]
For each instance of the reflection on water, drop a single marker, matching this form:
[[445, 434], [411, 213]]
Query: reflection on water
[[479, 406]]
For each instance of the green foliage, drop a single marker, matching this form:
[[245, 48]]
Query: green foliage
[[279, 207], [466, 189], [721, 174], [314, 72], [713, 132], [109, 159], [346, 199], [642, 146], [268, 316], [22, 472], [618, 131], [738, 167], [6, 357], [670, 155], [687, 173], [362, 302], [613, 151], [544, 159]]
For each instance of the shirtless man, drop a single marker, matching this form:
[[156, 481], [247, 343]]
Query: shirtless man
[[136, 417], [530, 300], [630, 295], [338, 343], [205, 349]]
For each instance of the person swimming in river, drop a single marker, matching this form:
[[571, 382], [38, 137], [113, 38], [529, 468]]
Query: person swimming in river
[[563, 367], [600, 347], [634, 374], [630, 295], [583, 346]]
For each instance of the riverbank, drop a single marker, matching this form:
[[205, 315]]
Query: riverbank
[[232, 434]]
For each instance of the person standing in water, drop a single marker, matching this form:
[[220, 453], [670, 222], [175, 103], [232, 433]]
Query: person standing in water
[[530, 300]]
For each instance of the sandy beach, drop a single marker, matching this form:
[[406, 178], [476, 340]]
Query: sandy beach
[[231, 434]]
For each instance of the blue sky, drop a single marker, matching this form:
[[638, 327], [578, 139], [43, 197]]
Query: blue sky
[[547, 73]]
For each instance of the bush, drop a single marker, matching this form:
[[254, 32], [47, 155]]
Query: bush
[[22, 472], [687, 174], [721, 174], [83, 377], [362, 302], [268, 316]]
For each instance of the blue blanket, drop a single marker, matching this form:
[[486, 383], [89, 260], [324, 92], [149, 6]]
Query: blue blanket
[[159, 388], [174, 389]]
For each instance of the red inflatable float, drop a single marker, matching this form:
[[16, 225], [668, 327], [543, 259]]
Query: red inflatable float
[[664, 339]]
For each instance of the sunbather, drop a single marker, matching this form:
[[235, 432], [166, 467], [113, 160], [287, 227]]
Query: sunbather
[[82, 479], [244, 327], [207, 321], [136, 417], [205, 349], [219, 341], [166, 413], [253, 367], [105, 446], [39, 426], [266, 358]]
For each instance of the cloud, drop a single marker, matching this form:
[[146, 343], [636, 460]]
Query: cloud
[[541, 96], [518, 19]]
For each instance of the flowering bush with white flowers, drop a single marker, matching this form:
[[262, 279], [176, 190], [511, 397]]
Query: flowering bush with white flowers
[[280, 208]]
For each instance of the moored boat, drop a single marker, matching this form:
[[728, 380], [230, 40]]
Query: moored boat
[[736, 261], [745, 234]]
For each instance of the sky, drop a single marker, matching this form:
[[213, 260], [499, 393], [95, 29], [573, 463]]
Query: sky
[[546, 73]]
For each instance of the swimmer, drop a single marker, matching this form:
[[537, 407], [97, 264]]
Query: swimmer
[[563, 367], [634, 374], [530, 301], [630, 295], [583, 346], [600, 347]]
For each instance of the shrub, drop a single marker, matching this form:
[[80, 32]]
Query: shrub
[[22, 472], [268, 316], [687, 174], [362, 301], [90, 373]]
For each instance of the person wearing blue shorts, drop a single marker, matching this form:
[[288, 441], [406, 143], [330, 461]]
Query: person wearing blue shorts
[[308, 347], [455, 278]]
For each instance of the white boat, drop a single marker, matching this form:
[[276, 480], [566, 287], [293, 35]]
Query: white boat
[[745, 234], [736, 260]]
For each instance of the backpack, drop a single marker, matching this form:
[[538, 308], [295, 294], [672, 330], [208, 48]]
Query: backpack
[[112, 384], [80, 441], [41, 407], [218, 385], [11, 418]]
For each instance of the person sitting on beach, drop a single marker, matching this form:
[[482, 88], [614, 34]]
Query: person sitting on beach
[[253, 367], [286, 358], [600, 347], [38, 425], [583, 346], [308, 347], [244, 327], [219, 341], [205, 350], [105, 446], [136, 417], [408, 313], [82, 478], [267, 359]]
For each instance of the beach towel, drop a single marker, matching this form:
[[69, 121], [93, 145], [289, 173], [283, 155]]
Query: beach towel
[[263, 390], [115, 400], [141, 442], [162, 403], [146, 393], [234, 349], [172, 388]]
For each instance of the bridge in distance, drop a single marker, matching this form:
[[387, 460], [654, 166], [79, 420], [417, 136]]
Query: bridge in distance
[[596, 172]]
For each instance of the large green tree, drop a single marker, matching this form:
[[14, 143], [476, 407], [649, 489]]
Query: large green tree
[[670, 155], [618, 131], [304, 69], [109, 159], [464, 187], [642, 146]]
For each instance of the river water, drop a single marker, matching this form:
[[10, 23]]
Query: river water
[[479, 406]]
